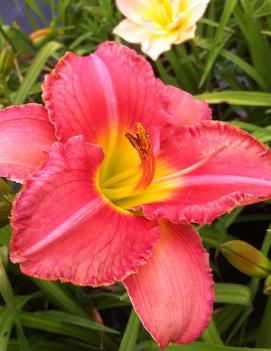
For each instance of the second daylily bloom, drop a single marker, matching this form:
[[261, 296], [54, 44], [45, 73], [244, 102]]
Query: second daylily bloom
[[130, 163], [157, 24]]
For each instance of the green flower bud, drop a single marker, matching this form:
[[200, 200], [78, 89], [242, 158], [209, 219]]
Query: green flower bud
[[267, 285], [39, 37], [6, 60], [246, 258]]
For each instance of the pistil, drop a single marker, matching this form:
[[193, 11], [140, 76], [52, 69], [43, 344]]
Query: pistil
[[141, 142]]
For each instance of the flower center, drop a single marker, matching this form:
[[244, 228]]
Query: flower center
[[165, 14], [127, 170], [131, 175], [163, 11]]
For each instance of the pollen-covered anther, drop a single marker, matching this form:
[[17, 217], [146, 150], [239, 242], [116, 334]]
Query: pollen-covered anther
[[141, 142]]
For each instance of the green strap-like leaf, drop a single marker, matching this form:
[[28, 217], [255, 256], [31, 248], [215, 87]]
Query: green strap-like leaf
[[59, 297], [128, 341], [34, 71], [195, 346], [211, 334], [219, 38], [75, 320], [240, 98], [8, 296]]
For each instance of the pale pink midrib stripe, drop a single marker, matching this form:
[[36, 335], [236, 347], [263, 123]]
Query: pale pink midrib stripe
[[75, 219], [108, 88], [224, 179]]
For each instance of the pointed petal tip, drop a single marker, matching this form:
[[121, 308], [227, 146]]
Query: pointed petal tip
[[173, 292]]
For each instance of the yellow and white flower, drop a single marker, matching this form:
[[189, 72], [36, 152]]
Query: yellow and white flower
[[157, 24]]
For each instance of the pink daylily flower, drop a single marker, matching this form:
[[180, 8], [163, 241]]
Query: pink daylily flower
[[129, 163]]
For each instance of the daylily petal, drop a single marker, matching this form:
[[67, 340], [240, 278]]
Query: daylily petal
[[103, 94], [131, 31], [63, 228], [155, 45], [25, 132], [196, 9], [133, 9], [172, 293], [186, 34], [184, 108], [217, 167]]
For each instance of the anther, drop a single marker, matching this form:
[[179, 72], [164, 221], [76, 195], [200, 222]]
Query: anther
[[141, 142]]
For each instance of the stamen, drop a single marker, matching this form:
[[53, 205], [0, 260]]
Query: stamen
[[121, 176], [193, 167], [141, 142]]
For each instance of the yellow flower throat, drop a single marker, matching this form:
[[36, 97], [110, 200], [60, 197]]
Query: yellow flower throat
[[126, 177], [131, 175]]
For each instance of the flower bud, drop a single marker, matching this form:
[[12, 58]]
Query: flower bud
[[6, 60], [246, 258], [39, 36], [267, 285]]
